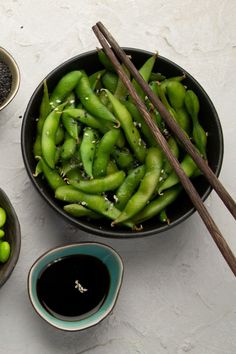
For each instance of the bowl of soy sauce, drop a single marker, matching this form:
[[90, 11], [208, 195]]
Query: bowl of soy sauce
[[76, 286]]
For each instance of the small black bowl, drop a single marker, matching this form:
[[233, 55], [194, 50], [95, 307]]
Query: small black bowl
[[12, 235], [182, 208]]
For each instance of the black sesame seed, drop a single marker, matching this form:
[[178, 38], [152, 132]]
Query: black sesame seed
[[5, 81]]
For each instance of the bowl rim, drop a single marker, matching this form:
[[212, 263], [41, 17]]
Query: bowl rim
[[14, 257], [75, 245], [116, 233], [17, 78]]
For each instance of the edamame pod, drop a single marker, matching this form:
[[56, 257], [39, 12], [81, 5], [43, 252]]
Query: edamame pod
[[79, 211], [3, 217], [87, 150]]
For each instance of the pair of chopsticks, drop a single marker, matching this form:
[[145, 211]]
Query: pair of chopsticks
[[110, 46]]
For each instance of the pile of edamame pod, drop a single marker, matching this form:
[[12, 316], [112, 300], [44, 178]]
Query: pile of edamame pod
[[99, 156], [5, 248]]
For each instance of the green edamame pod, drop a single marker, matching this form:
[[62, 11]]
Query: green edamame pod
[[158, 204], [95, 78], [100, 185], [110, 80], [103, 152], [183, 120], [127, 188], [104, 60], [111, 167], [3, 217], [48, 143], [95, 202], [123, 158], [64, 87], [165, 82], [137, 117], [52, 176], [131, 132], [91, 102], [69, 123], [157, 77], [87, 150], [199, 134], [78, 211], [167, 168], [121, 91], [67, 166], [38, 168], [188, 165], [44, 111], [153, 165], [5, 250], [163, 217], [68, 147], [176, 94], [59, 136], [145, 72]]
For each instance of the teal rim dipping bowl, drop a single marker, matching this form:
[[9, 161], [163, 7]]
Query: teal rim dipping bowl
[[109, 258]]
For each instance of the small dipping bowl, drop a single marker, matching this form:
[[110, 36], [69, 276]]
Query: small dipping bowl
[[103, 253], [15, 72]]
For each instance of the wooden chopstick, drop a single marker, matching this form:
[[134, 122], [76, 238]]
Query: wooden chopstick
[[104, 37], [190, 148]]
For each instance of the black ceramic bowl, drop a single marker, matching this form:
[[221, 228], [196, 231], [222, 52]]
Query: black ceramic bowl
[[12, 235], [178, 211]]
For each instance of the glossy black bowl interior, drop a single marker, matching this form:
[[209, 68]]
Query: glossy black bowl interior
[[178, 211], [12, 235]]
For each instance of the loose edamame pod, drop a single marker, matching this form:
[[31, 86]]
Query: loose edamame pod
[[52, 176], [3, 217], [91, 102], [153, 165], [105, 61], [95, 202], [100, 185], [95, 78], [68, 147], [129, 186], [123, 158], [64, 87], [199, 134], [87, 150], [48, 143], [167, 168], [59, 136], [103, 152], [131, 132], [110, 80], [69, 123], [158, 204]]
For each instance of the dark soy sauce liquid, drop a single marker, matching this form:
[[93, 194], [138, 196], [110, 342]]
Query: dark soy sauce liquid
[[73, 287]]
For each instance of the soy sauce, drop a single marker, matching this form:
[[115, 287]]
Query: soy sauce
[[73, 287]]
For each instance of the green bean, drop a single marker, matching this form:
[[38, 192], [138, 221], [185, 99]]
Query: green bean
[[3, 217], [5, 251], [110, 80], [79, 211], [199, 135], [153, 165], [97, 203], [103, 152], [100, 185], [68, 147], [91, 102], [127, 188], [188, 165], [64, 87], [52, 176], [131, 132], [87, 150], [48, 143], [155, 206]]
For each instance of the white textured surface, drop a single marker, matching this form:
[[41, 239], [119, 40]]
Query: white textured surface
[[178, 295]]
